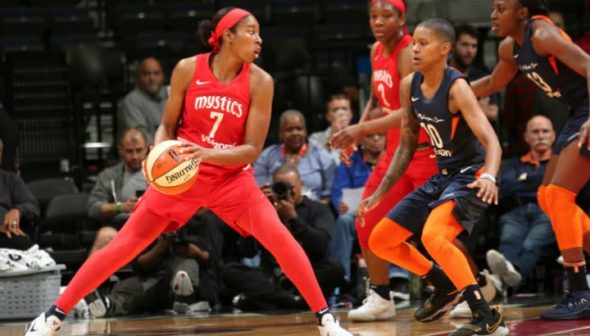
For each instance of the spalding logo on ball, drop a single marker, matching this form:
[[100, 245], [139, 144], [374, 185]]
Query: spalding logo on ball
[[167, 171]]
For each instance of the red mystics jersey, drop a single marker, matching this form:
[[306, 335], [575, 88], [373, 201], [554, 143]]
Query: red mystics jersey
[[214, 114], [386, 85]]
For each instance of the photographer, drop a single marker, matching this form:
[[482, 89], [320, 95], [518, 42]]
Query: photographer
[[166, 276], [310, 222]]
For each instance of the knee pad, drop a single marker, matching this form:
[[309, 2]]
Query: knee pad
[[433, 244], [377, 243], [542, 199], [555, 197], [563, 212], [550, 194]]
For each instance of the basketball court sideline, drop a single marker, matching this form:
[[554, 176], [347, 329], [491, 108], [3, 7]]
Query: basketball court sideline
[[522, 318]]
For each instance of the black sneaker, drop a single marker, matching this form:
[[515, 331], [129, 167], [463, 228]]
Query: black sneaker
[[436, 305], [482, 324], [575, 306]]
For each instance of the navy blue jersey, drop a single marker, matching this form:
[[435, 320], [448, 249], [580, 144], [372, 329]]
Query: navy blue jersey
[[553, 77], [453, 141]]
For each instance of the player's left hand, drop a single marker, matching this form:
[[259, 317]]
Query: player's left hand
[[488, 191], [585, 135], [346, 137], [194, 151]]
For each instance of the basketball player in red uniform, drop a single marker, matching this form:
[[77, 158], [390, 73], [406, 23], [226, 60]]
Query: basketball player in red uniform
[[391, 60], [220, 105]]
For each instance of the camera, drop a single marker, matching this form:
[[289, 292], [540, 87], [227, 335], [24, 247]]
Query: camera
[[282, 189]]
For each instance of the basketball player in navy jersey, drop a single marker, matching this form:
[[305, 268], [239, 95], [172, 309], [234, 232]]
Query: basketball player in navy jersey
[[390, 61], [224, 102], [439, 99], [538, 48]]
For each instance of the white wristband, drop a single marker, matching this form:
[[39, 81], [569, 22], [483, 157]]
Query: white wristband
[[489, 177]]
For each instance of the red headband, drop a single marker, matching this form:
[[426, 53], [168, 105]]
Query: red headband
[[399, 4], [227, 22]]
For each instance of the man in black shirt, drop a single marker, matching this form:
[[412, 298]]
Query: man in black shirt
[[311, 223]]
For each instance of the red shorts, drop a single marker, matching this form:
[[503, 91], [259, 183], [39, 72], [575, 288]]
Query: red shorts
[[422, 166], [228, 195]]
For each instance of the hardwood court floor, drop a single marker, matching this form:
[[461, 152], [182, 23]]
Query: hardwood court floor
[[522, 319]]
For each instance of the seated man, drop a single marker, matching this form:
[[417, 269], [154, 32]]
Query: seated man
[[18, 206], [316, 167], [525, 230], [310, 222], [144, 105], [339, 115], [117, 188]]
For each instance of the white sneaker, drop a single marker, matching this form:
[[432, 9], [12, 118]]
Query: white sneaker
[[181, 284], [401, 296], [81, 310], [43, 326], [374, 308], [497, 283], [201, 307], [504, 268], [461, 310], [99, 306], [331, 327], [180, 307]]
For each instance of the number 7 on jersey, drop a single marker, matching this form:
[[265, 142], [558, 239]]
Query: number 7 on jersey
[[218, 116]]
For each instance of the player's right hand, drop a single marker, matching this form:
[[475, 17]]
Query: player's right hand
[[488, 191], [367, 205], [346, 137], [194, 151]]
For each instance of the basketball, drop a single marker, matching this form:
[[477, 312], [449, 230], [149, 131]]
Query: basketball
[[167, 171]]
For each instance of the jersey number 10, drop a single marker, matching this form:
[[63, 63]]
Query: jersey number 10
[[435, 138]]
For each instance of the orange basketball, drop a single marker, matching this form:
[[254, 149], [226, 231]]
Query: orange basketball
[[167, 170]]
